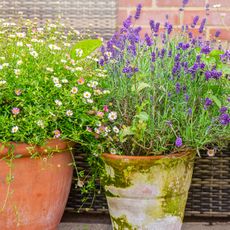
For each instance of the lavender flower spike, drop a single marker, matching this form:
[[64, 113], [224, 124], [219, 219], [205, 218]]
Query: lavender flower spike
[[127, 23], [148, 40], [178, 142], [201, 29], [138, 11], [195, 20]]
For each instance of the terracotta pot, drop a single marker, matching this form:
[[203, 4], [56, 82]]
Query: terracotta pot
[[37, 194], [147, 192]]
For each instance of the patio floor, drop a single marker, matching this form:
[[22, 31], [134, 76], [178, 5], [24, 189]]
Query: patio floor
[[186, 226]]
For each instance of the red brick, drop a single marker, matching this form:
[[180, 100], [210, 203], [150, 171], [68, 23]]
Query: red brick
[[223, 3], [121, 16], [214, 18], [178, 3], [133, 3], [158, 16], [224, 35]]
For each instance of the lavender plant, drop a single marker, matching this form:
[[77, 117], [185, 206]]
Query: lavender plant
[[169, 91]]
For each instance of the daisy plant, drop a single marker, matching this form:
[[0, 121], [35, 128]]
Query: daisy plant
[[49, 82]]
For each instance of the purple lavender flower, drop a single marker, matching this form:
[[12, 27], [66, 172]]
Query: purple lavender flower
[[177, 58], [189, 111], [185, 46], [195, 20], [223, 109], [208, 102], [202, 65], [176, 68], [224, 119], [132, 49], [198, 57], [169, 28], [127, 23], [138, 11], [137, 30], [186, 97], [205, 50], [148, 40], [162, 53], [217, 34], [213, 74], [201, 29], [170, 53], [178, 142], [185, 2], [153, 56], [178, 87], [190, 34], [152, 24], [101, 62], [156, 28], [127, 69]]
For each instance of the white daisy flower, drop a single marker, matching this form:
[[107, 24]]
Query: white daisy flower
[[55, 80], [107, 129], [74, 90], [106, 92], [79, 52], [58, 85], [112, 116], [69, 113], [90, 101], [49, 69], [14, 129], [21, 35], [12, 36], [67, 44], [2, 82], [79, 69], [63, 61], [58, 102], [5, 64], [40, 123], [64, 81], [112, 151], [34, 54], [17, 71], [115, 129], [19, 44], [86, 94], [19, 62], [108, 54], [54, 47]]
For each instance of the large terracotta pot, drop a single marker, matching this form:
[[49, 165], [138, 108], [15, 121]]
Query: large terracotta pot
[[36, 196], [147, 193]]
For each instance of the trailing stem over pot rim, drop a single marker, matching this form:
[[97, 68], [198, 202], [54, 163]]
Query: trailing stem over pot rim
[[169, 90]]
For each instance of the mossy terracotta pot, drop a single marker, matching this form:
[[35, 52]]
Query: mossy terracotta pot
[[147, 193], [34, 191]]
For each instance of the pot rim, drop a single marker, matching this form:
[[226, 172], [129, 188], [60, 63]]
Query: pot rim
[[173, 155], [24, 149]]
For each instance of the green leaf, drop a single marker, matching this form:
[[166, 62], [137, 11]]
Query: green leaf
[[18, 156], [143, 116], [216, 100], [140, 87], [225, 69], [126, 131], [87, 46], [216, 53]]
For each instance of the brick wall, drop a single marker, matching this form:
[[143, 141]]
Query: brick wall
[[218, 15]]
